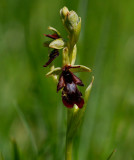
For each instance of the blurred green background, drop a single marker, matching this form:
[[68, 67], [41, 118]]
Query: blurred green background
[[31, 112]]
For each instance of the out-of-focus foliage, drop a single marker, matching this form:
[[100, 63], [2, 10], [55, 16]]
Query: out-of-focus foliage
[[31, 112]]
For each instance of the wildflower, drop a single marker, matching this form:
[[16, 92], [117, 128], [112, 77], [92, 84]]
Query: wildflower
[[56, 44], [70, 94], [67, 80]]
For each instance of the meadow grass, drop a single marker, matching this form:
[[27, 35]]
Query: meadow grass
[[31, 112]]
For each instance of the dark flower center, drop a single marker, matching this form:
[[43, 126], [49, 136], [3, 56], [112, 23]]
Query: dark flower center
[[67, 77]]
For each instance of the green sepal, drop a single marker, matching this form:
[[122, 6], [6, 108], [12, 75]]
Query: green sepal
[[54, 72], [79, 68], [57, 44], [54, 30]]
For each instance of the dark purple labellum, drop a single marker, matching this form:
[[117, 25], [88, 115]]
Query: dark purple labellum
[[52, 56], [70, 94]]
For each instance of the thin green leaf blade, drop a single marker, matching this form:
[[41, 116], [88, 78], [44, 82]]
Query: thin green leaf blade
[[16, 155], [111, 154]]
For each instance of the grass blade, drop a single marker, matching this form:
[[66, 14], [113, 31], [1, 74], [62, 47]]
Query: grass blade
[[15, 150], [111, 154], [22, 117], [1, 156]]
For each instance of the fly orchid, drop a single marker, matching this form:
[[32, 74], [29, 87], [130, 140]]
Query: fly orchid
[[66, 80]]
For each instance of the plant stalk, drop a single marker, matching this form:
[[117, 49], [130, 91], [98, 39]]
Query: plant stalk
[[69, 140], [69, 145]]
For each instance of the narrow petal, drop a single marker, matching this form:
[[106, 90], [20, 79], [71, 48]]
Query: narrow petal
[[77, 80], [61, 83], [52, 36], [52, 56]]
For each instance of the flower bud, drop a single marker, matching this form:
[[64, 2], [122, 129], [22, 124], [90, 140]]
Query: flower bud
[[64, 12], [72, 23]]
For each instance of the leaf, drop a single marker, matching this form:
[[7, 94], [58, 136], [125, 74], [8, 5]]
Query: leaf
[[1, 156], [27, 128], [111, 154], [15, 150], [57, 44], [55, 71]]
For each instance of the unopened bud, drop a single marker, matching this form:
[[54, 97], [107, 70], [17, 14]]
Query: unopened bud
[[72, 23], [64, 12]]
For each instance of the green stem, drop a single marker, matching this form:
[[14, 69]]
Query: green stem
[[69, 145], [69, 140]]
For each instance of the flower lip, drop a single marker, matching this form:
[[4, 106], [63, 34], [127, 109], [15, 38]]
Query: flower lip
[[52, 56], [70, 94]]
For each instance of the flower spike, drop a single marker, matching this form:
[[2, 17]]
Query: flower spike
[[67, 81]]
